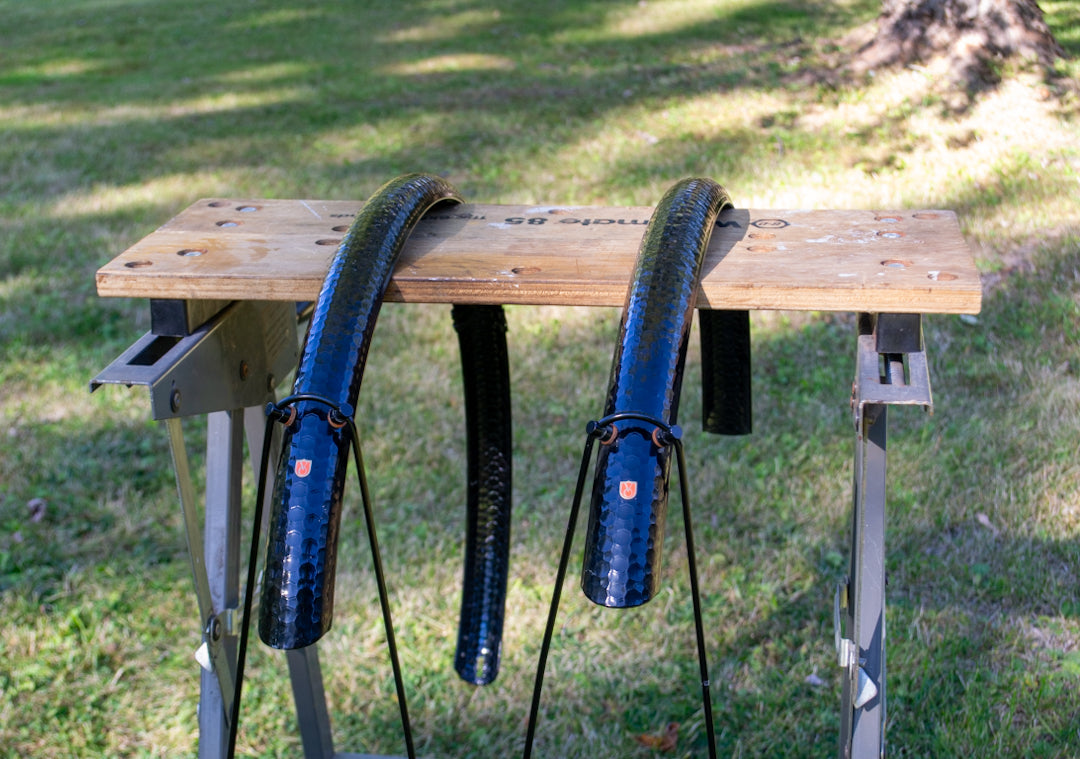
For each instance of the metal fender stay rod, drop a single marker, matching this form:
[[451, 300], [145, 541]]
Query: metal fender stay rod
[[638, 432]]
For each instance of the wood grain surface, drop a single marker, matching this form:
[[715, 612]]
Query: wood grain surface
[[818, 260]]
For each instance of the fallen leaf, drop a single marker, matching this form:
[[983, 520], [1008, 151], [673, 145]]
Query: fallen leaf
[[985, 522], [36, 507], [664, 742], [814, 680]]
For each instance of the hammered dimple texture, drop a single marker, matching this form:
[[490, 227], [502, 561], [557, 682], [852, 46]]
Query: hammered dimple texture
[[486, 379], [630, 489], [297, 599]]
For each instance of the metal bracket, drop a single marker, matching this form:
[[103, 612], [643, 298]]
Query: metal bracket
[[890, 378], [230, 362]]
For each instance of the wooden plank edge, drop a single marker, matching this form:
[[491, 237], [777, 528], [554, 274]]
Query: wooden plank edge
[[711, 296]]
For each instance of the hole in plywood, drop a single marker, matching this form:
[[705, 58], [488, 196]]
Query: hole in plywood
[[227, 223], [138, 264], [341, 228], [895, 263], [525, 270], [770, 223], [217, 204], [247, 209], [926, 215], [891, 235], [190, 252], [941, 276], [328, 241]]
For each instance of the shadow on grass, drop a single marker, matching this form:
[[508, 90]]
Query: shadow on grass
[[162, 89], [133, 96], [982, 626]]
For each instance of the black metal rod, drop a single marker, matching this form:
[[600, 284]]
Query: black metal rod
[[699, 627], [672, 435], [278, 413], [249, 590], [384, 598], [560, 576]]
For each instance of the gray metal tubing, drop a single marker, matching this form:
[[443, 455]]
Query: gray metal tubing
[[862, 731]]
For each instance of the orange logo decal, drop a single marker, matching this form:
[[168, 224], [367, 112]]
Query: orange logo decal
[[302, 467], [628, 489]]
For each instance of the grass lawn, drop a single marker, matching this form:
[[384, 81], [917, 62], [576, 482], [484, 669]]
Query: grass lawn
[[117, 114]]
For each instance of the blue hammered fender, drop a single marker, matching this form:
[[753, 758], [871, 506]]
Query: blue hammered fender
[[298, 583], [630, 489]]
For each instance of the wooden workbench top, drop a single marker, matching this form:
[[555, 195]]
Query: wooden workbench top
[[879, 262]]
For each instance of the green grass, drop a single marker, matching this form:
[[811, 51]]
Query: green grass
[[117, 114]]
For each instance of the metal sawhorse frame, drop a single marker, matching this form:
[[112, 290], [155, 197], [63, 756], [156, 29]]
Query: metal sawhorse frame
[[216, 353]]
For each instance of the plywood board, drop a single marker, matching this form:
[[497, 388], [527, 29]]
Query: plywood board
[[902, 261]]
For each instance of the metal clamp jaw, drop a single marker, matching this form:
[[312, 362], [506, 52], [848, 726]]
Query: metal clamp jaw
[[233, 360], [891, 368]]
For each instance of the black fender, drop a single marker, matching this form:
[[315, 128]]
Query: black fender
[[296, 607], [630, 491], [725, 372], [486, 379]]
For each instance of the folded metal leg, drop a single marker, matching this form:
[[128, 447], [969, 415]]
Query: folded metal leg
[[891, 370], [863, 655]]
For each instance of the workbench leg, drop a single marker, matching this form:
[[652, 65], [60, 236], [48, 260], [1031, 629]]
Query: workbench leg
[[311, 711], [862, 733], [221, 549]]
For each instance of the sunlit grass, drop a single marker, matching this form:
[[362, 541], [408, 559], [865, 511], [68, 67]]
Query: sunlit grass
[[116, 117], [442, 63], [110, 198]]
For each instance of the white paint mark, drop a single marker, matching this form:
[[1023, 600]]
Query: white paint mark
[[549, 209], [313, 212], [846, 274]]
